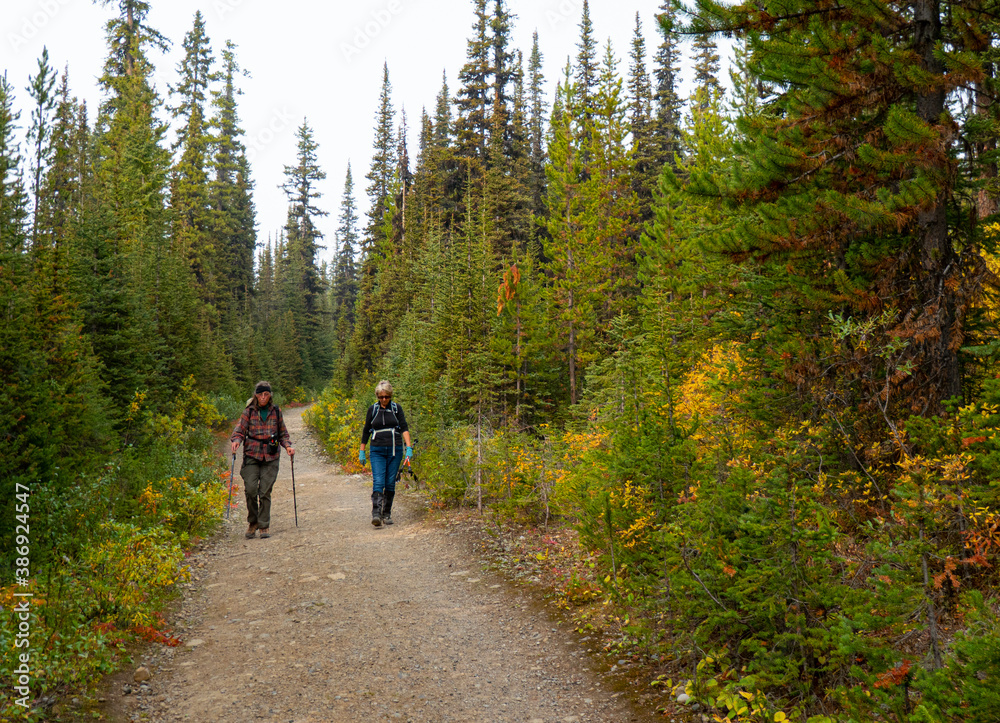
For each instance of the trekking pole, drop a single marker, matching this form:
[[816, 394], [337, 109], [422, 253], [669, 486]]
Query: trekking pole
[[231, 473], [296, 504]]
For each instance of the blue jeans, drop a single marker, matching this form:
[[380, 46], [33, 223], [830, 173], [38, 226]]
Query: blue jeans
[[385, 465]]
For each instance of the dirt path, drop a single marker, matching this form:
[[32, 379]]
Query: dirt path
[[338, 621]]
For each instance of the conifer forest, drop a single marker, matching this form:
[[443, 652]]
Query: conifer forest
[[744, 342]]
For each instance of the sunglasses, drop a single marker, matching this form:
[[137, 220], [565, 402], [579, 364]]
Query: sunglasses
[[380, 396]]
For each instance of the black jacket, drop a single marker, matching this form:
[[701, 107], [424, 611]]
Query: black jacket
[[391, 417]]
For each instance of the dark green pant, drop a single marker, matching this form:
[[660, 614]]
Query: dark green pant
[[258, 479]]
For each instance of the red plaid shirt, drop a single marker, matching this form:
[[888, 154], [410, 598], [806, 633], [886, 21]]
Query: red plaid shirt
[[255, 432]]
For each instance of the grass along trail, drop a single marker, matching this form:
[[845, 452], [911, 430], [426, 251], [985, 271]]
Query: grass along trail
[[336, 620]]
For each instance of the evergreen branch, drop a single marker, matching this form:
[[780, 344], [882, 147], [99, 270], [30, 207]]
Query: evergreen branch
[[703, 585]]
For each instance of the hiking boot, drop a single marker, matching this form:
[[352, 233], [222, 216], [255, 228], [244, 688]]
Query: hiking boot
[[377, 509], [264, 533], [251, 531], [387, 507]]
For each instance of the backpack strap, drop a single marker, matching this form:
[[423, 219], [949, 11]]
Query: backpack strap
[[277, 415]]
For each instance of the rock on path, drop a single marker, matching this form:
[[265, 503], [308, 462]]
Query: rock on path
[[338, 621]]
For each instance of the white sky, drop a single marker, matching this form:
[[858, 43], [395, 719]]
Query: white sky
[[322, 61]]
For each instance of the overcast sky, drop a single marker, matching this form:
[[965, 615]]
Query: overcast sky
[[320, 61]]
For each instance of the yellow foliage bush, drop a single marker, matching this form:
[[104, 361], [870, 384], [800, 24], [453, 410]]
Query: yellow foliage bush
[[710, 394], [131, 572], [335, 420]]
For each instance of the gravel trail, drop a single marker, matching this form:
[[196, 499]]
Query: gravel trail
[[336, 620]]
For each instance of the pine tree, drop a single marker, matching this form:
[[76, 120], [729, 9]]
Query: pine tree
[[344, 282], [50, 376], [611, 199], [571, 259], [847, 195]]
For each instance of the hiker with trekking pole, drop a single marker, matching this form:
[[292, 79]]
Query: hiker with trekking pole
[[390, 446], [262, 431]]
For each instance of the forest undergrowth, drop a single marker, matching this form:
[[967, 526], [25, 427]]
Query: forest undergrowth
[[106, 550], [772, 587]]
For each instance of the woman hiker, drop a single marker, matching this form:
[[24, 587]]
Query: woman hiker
[[386, 424], [261, 429]]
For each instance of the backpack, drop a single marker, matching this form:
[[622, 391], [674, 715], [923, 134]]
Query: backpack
[[395, 414]]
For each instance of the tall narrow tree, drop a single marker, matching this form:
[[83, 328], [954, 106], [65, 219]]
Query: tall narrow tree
[[305, 285], [40, 88], [473, 98], [189, 183], [668, 104], [231, 193], [640, 101], [536, 126], [384, 164]]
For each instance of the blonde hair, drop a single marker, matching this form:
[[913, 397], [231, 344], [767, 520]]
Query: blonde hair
[[383, 386]]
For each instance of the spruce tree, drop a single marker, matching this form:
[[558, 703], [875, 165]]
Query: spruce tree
[[473, 99], [502, 71], [144, 324], [189, 186], [233, 219], [668, 104], [40, 89], [305, 289], [13, 198], [383, 167], [640, 100], [344, 284], [586, 62], [706, 66], [611, 199], [536, 126], [60, 198], [442, 114], [49, 375]]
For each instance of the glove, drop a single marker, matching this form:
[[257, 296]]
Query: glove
[[361, 457], [409, 452]]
